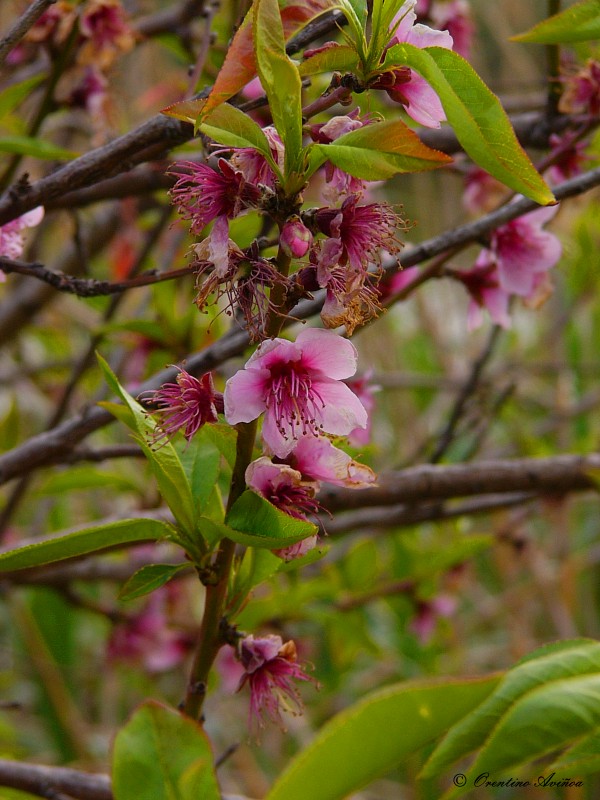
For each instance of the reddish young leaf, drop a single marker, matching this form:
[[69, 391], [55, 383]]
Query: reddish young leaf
[[239, 66]]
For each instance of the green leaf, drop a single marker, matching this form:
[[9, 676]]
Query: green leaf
[[545, 719], [13, 95], [579, 23], [149, 578], [82, 542], [161, 755], [166, 465], [581, 759], [201, 461], [375, 735], [224, 437], [342, 58], [38, 148], [543, 668], [280, 80], [475, 113], [377, 152], [231, 127], [257, 522]]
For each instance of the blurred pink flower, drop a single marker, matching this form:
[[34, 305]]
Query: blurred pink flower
[[11, 234], [424, 622], [454, 16], [271, 667], [298, 385], [106, 33], [147, 639], [582, 91], [522, 250], [482, 284]]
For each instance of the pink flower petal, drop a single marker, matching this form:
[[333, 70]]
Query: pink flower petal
[[244, 395], [327, 352]]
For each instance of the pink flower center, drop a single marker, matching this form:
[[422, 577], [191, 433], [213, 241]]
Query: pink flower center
[[293, 399]]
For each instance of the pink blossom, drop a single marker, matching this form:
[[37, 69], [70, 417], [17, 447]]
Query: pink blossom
[[298, 385], [295, 239], [338, 183], [316, 458], [283, 486], [270, 669], [483, 286], [396, 283], [11, 234], [186, 405], [254, 166], [408, 88], [358, 233], [106, 33], [483, 193], [522, 250], [203, 194], [582, 92]]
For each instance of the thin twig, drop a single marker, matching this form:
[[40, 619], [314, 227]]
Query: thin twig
[[469, 388], [22, 25], [87, 287]]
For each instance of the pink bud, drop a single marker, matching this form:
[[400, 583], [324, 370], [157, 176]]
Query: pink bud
[[295, 238]]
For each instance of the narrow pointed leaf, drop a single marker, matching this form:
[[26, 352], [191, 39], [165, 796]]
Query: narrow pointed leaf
[[149, 578], [581, 759], [545, 719], [375, 736], [475, 113], [12, 96], [230, 126], [342, 58], [185, 110], [280, 79], [581, 657], [74, 544], [166, 465], [37, 148], [239, 66], [378, 151], [579, 23], [162, 755]]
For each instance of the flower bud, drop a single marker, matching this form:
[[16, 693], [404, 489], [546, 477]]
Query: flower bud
[[295, 238]]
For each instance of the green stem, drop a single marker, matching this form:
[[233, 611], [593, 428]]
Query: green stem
[[213, 632]]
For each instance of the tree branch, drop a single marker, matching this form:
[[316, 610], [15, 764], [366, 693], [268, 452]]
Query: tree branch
[[555, 476], [22, 25]]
